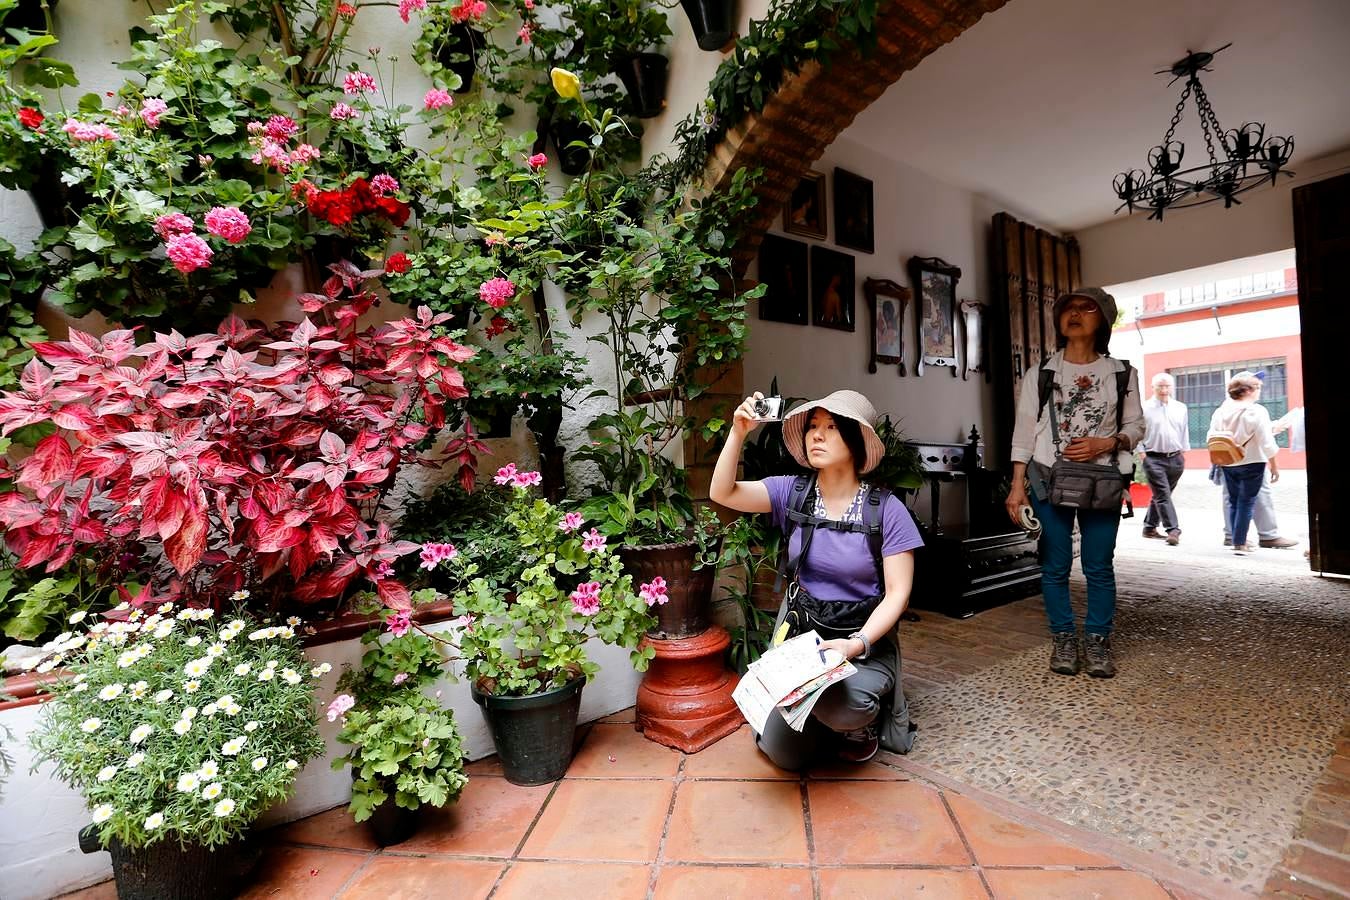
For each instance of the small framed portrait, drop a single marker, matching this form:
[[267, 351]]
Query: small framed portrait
[[832, 289], [782, 269], [887, 300], [853, 216], [972, 326], [805, 213], [935, 311]]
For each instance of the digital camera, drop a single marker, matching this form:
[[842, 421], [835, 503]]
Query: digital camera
[[768, 409]]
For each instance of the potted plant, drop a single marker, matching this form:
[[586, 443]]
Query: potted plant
[[525, 629], [623, 37], [405, 751], [713, 22], [179, 729]]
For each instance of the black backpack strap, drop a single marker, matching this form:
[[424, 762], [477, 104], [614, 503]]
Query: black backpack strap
[[803, 492], [1122, 388], [1045, 386], [876, 499]]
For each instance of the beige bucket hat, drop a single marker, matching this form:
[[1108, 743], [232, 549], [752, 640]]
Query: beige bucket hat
[[850, 405]]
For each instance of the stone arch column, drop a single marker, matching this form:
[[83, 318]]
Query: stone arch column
[[785, 139]]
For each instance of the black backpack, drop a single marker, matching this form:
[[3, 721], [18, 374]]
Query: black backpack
[[803, 492]]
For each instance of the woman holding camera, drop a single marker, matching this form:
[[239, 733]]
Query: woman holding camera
[[851, 565], [1081, 406]]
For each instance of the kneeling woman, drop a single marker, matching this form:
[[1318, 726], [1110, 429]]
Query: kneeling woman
[[850, 570]]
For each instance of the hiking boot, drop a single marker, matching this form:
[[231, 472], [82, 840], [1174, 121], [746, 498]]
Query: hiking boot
[[1152, 533], [859, 746], [1064, 658], [1278, 543], [1227, 541], [1099, 664], [1173, 538]]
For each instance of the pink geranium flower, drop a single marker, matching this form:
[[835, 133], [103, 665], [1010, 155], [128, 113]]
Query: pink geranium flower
[[341, 112], [570, 523], [586, 598], [358, 83], [407, 6], [384, 184], [151, 110], [341, 703], [169, 224], [304, 154], [281, 128], [88, 131], [188, 252], [497, 292], [400, 677], [537, 162], [228, 222], [506, 474], [434, 554], [654, 592], [436, 98], [398, 622], [593, 540], [526, 479], [468, 9]]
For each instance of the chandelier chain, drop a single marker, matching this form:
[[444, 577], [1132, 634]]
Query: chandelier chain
[[1209, 119], [1176, 116]]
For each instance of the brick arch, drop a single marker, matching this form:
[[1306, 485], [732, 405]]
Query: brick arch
[[803, 118]]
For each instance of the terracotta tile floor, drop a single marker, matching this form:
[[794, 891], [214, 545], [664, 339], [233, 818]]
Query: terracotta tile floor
[[636, 820]]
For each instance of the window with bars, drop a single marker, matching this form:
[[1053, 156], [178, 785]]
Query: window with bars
[[1204, 388]]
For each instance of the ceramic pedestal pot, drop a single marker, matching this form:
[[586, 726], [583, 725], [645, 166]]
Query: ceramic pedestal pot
[[713, 21], [689, 610], [644, 77], [533, 734], [166, 870]]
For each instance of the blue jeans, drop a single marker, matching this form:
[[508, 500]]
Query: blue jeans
[[1243, 483], [1098, 528]]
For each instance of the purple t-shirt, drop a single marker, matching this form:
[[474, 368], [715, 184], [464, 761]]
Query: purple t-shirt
[[838, 564]]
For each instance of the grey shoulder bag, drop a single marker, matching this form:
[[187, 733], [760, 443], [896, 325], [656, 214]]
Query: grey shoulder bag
[[1088, 485]]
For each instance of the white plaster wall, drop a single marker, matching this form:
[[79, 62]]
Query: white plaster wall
[[42, 817], [1128, 249]]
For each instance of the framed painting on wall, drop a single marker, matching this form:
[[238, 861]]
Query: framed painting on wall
[[805, 212], [782, 269], [886, 301], [832, 289], [935, 311], [853, 214]]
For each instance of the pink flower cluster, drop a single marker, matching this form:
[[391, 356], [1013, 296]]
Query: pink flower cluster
[[228, 222], [586, 598], [407, 6], [169, 224], [497, 292], [341, 703], [654, 592], [341, 112], [400, 677], [537, 162], [570, 523], [271, 140], [151, 110], [593, 541], [436, 98], [358, 83], [281, 128], [398, 622], [304, 154], [188, 252], [434, 554], [384, 184], [88, 131], [468, 9], [508, 474]]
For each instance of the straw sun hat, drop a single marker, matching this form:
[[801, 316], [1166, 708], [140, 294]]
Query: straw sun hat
[[848, 404]]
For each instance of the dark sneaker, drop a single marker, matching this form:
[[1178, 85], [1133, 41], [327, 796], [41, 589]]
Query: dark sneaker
[[1279, 543], [859, 746], [1099, 664], [1174, 537], [1227, 541], [1064, 658], [1152, 533]]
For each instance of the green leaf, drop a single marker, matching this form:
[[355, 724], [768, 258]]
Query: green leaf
[[91, 103]]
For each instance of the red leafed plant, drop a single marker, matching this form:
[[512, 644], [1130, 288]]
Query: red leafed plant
[[248, 459]]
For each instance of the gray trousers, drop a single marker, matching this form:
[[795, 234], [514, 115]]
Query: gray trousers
[[849, 705], [1263, 517], [1163, 473]]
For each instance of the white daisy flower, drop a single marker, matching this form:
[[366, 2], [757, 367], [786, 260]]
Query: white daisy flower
[[77, 616], [152, 620], [47, 666], [205, 613], [107, 773], [261, 634], [184, 615], [189, 712], [321, 670], [91, 724], [209, 709], [259, 763], [122, 607], [233, 746], [153, 821], [224, 808], [187, 782], [267, 674], [81, 688], [135, 759], [225, 700], [212, 791], [102, 813], [293, 621], [216, 649], [182, 726], [243, 669], [163, 630], [111, 692], [209, 769], [98, 628], [79, 678], [271, 664], [251, 727], [193, 641], [292, 765], [197, 667], [140, 733], [239, 596], [161, 696], [290, 676], [140, 689], [135, 614], [191, 687], [126, 658], [233, 709], [166, 607], [287, 632]]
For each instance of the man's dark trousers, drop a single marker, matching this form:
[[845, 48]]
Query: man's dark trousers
[[1163, 471]]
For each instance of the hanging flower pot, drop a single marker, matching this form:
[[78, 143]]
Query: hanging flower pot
[[458, 52], [713, 21], [573, 160], [644, 77], [533, 734], [26, 16]]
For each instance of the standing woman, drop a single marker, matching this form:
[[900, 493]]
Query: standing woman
[[851, 556], [1093, 401], [1248, 424]]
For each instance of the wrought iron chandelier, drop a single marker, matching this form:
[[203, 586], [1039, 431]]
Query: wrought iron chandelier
[[1250, 158]]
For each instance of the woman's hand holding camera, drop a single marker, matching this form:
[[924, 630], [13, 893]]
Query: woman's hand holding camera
[[755, 410]]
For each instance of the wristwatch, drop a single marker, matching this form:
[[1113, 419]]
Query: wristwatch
[[867, 645]]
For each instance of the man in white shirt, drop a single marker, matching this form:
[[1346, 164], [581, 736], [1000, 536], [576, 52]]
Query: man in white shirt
[[1166, 439]]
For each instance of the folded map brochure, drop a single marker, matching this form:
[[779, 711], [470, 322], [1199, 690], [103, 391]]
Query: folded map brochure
[[789, 679]]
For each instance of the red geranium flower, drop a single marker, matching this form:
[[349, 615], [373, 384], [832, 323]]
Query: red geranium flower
[[397, 264], [30, 117]]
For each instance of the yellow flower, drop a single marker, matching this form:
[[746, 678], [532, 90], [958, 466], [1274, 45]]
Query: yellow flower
[[566, 84]]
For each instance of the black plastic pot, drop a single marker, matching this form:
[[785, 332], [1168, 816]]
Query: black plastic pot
[[644, 77], [27, 16], [458, 52], [533, 734], [572, 160], [713, 21], [167, 870], [392, 824]]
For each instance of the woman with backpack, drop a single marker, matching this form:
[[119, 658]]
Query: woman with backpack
[[1241, 441], [1078, 419], [850, 569]]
